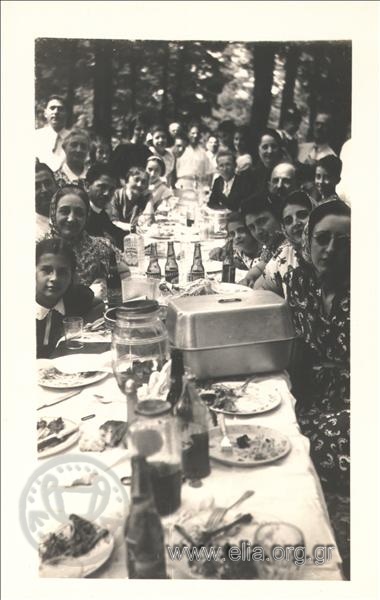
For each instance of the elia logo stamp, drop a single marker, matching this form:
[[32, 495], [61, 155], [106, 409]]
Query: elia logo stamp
[[69, 492]]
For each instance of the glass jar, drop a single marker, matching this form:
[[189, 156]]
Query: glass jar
[[155, 435], [140, 349]]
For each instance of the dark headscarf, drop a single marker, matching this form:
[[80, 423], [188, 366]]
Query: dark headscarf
[[60, 193]]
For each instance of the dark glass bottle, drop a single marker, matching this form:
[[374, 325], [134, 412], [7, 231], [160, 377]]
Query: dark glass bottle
[[176, 375], [194, 424], [171, 265], [114, 294], [144, 535], [197, 270], [228, 274], [154, 270]]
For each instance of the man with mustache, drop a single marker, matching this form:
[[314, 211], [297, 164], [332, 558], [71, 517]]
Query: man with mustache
[[49, 139], [294, 216]]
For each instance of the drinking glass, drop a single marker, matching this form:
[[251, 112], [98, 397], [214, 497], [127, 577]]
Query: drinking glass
[[284, 547], [73, 330]]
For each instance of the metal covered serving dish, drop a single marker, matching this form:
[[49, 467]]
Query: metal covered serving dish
[[238, 334]]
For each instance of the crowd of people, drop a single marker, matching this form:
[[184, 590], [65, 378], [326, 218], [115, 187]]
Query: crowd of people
[[288, 214]]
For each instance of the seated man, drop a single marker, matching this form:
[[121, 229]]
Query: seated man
[[101, 186], [263, 224], [131, 201], [282, 182], [230, 190], [294, 216], [310, 152], [45, 188], [245, 247], [73, 170]]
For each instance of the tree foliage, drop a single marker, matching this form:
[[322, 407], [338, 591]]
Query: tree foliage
[[107, 81]]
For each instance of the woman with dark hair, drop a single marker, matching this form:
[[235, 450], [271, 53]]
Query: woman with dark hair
[[269, 154], [69, 211], [241, 146], [56, 294], [318, 295]]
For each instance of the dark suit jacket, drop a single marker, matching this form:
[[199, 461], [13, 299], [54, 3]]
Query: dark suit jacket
[[100, 225], [242, 188]]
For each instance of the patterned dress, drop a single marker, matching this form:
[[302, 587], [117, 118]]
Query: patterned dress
[[322, 383]]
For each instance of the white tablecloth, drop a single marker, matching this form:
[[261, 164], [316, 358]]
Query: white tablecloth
[[287, 490]]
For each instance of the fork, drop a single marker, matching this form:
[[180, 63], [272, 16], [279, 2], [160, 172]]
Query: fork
[[225, 444], [219, 512]]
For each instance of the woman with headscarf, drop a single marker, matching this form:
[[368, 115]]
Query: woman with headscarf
[[69, 211], [318, 294]]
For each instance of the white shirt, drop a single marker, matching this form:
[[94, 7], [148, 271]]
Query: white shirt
[[42, 226], [71, 176], [312, 152], [344, 187], [228, 185], [194, 162], [42, 312], [49, 148]]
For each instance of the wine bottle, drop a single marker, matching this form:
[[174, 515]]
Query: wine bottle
[[194, 425], [144, 534], [228, 273], [114, 293]]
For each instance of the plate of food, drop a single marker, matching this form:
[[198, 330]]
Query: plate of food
[[55, 435], [252, 445], [234, 398], [76, 549], [51, 377]]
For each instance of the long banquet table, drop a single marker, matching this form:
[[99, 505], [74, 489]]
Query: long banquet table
[[287, 490]]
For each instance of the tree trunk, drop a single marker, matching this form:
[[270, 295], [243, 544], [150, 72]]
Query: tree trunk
[[103, 88], [177, 92], [165, 80], [263, 63], [71, 64], [290, 80], [314, 92], [133, 75]]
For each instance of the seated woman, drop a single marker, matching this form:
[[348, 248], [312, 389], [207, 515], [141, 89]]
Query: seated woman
[[269, 154], [155, 167], [56, 294], [244, 245], [319, 299], [132, 200], [293, 217], [69, 211]]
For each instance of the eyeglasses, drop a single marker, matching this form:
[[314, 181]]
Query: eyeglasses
[[323, 238]]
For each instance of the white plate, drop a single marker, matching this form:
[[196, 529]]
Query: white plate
[[254, 401], [67, 443], [68, 380], [213, 266], [80, 566], [244, 457]]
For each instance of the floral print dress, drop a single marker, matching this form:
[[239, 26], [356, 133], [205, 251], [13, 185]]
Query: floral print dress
[[323, 405]]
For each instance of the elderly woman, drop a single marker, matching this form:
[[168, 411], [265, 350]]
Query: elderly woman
[[319, 299], [69, 211]]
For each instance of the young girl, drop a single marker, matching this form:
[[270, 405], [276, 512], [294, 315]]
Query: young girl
[[56, 295]]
